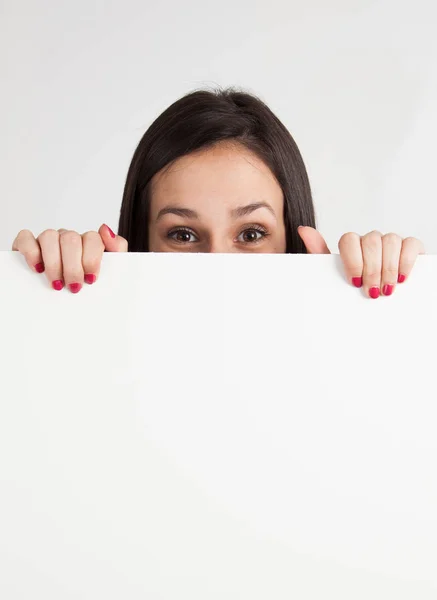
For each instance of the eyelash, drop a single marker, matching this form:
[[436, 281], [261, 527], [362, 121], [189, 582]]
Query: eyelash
[[173, 232], [262, 230]]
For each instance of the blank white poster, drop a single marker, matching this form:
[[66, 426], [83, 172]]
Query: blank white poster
[[217, 426]]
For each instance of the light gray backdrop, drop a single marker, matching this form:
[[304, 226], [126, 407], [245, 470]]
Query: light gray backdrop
[[353, 80]]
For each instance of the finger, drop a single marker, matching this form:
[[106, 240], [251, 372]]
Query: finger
[[111, 241], [391, 250], [352, 257], [27, 245], [51, 252], [314, 242], [371, 247], [71, 252], [411, 248], [92, 252]]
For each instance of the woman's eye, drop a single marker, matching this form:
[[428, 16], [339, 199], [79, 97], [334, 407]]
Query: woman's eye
[[183, 236], [251, 235]]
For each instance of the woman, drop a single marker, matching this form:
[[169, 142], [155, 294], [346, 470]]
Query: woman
[[217, 172]]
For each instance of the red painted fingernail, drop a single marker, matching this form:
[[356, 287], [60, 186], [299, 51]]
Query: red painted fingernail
[[75, 287], [357, 281], [110, 231], [90, 278], [387, 290], [374, 292], [57, 285], [401, 278], [39, 268]]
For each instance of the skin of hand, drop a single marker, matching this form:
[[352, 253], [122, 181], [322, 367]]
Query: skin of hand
[[67, 257], [223, 199], [374, 261]]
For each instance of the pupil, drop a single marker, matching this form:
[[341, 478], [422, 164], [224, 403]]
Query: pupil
[[250, 235], [183, 236]]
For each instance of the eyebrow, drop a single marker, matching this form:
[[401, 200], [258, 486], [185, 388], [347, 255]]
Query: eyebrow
[[176, 210], [240, 211]]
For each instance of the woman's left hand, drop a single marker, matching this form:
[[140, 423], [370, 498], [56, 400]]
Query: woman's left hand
[[375, 261]]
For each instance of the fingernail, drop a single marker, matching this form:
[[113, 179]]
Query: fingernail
[[387, 290], [110, 231], [357, 281], [374, 292], [90, 278], [401, 278], [57, 285], [75, 287], [39, 268]]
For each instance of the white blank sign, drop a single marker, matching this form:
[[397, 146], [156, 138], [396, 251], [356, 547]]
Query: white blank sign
[[217, 426]]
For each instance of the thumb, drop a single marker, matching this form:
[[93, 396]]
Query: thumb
[[314, 242], [112, 242]]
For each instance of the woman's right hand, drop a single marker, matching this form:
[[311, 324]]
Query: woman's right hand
[[67, 257]]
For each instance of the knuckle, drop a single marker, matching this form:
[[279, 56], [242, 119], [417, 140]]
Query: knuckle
[[95, 238], [372, 236], [53, 269], [412, 246], [372, 242], [411, 240], [391, 238], [21, 240], [70, 237], [47, 234], [26, 245], [347, 237], [24, 233], [372, 275], [16, 242], [390, 273]]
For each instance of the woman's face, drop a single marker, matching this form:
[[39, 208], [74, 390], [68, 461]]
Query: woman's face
[[224, 199]]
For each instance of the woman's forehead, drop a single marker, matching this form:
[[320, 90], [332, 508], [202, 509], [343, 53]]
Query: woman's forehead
[[229, 171]]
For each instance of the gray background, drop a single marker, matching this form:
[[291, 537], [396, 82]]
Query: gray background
[[353, 80]]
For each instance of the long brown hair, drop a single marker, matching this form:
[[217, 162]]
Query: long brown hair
[[199, 120]]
